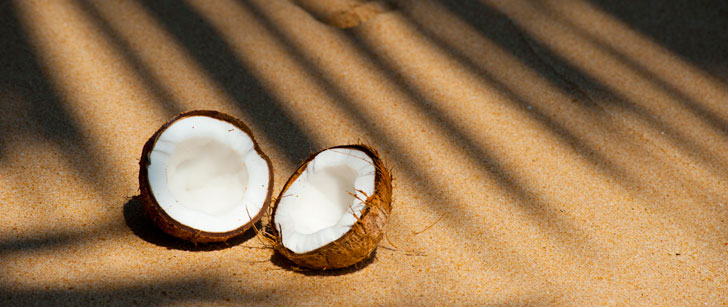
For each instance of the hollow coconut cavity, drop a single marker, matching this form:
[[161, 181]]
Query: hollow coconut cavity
[[203, 177], [333, 210]]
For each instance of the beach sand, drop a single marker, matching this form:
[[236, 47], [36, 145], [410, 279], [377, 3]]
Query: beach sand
[[544, 152]]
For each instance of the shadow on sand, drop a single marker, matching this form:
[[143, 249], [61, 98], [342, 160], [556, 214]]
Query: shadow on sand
[[143, 227]]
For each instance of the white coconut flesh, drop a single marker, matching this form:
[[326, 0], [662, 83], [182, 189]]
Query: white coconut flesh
[[206, 174], [320, 205]]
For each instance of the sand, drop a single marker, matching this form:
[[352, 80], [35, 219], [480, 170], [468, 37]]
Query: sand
[[544, 153]]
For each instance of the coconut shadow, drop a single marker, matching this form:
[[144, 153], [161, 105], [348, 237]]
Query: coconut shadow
[[282, 262], [143, 227]]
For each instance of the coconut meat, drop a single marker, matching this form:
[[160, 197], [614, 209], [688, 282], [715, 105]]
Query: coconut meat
[[206, 174], [325, 200]]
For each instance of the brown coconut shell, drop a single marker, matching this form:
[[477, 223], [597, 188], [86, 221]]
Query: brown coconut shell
[[361, 240], [172, 226]]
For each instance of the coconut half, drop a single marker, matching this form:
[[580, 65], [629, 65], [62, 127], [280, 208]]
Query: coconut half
[[333, 210], [203, 177]]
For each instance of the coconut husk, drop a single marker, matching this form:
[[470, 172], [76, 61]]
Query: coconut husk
[[172, 226]]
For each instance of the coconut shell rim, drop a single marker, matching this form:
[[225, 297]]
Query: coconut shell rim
[[173, 227], [382, 176]]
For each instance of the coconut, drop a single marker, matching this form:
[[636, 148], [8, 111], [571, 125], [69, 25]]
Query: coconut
[[333, 210], [203, 177]]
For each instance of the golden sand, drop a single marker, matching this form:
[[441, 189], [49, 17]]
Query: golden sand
[[544, 152]]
